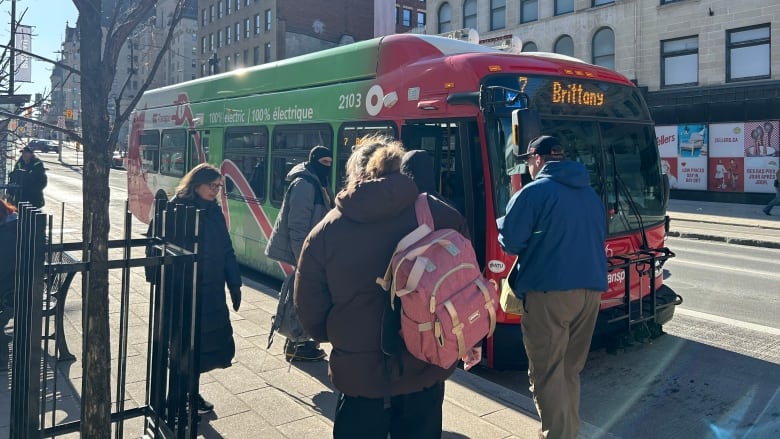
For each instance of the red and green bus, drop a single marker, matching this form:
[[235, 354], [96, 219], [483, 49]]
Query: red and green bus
[[466, 104]]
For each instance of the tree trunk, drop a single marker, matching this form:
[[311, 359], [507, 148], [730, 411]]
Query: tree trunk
[[96, 385]]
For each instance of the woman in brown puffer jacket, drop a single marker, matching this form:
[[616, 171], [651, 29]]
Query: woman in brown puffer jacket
[[339, 301]]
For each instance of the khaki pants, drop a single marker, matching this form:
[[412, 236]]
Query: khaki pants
[[557, 330]]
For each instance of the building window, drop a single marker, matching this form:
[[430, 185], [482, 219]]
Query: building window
[[748, 52], [257, 24], [238, 31], [247, 28], [211, 42], [406, 17], [603, 2], [227, 63], [529, 11], [203, 69], [421, 19], [267, 20], [238, 5], [219, 9], [470, 14], [530, 47], [203, 17], [246, 57], [228, 36], [203, 45], [445, 18], [680, 61], [604, 48], [664, 2], [219, 38], [227, 7], [211, 13], [564, 6], [564, 45], [256, 56], [267, 53], [497, 14]]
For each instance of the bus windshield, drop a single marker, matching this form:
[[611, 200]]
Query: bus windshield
[[621, 158]]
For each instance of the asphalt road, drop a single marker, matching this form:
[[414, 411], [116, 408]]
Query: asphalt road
[[715, 374]]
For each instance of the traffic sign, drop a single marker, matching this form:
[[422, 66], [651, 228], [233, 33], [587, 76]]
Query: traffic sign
[[68, 113]]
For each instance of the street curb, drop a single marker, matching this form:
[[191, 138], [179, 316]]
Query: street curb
[[727, 240]]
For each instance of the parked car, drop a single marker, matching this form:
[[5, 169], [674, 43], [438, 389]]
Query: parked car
[[44, 145], [118, 160]]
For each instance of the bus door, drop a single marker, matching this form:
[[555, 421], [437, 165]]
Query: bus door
[[456, 150]]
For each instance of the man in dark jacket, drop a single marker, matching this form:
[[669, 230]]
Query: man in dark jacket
[[557, 225], [339, 301], [305, 203], [30, 175]]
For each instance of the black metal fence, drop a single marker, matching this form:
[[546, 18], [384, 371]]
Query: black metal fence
[[43, 275]]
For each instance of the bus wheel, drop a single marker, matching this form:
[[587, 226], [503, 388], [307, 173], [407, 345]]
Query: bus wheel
[[508, 352]]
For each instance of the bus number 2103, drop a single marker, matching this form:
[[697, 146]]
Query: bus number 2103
[[352, 100]]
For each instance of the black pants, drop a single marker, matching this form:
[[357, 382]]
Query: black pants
[[412, 416]]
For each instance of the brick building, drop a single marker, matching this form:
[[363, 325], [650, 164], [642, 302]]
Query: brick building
[[239, 33]]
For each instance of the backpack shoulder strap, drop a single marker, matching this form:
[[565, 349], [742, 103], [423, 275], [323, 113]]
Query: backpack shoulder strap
[[423, 211]]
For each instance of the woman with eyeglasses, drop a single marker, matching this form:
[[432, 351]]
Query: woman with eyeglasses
[[217, 266]]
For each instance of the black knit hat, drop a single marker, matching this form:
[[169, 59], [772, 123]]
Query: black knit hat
[[319, 152]]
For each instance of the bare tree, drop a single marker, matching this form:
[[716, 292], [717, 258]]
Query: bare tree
[[100, 49]]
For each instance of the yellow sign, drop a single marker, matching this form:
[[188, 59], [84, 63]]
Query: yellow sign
[[68, 113]]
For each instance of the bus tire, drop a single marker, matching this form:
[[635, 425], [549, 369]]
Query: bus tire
[[508, 350]]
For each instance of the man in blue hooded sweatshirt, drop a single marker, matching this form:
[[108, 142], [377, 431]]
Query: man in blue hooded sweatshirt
[[557, 225]]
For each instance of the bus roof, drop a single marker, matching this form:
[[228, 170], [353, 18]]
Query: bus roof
[[362, 60]]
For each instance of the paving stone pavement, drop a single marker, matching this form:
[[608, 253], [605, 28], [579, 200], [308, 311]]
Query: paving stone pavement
[[262, 396]]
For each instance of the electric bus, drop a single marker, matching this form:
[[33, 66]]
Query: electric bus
[[466, 104]]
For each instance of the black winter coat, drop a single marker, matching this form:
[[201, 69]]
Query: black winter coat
[[8, 267], [31, 177], [336, 294], [217, 266]]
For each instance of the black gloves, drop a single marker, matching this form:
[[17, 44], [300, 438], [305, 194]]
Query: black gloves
[[235, 297]]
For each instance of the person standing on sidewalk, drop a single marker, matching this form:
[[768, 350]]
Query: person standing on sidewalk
[[776, 200], [307, 200], [338, 300], [30, 174], [557, 225], [217, 266]]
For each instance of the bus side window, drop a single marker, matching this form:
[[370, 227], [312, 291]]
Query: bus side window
[[150, 151], [172, 153], [247, 148], [350, 135], [195, 138], [291, 146]]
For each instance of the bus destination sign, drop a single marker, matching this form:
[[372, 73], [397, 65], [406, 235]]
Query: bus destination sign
[[575, 94]]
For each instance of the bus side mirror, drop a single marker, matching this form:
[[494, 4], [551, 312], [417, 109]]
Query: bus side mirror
[[526, 126]]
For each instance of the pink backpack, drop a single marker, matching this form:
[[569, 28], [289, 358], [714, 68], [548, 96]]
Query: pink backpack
[[447, 306]]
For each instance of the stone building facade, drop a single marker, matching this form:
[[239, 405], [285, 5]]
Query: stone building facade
[[712, 64]]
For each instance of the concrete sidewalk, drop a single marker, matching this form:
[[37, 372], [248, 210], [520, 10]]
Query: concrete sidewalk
[[262, 396], [744, 224]]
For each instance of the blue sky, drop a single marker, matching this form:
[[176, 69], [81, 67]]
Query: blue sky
[[48, 18]]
